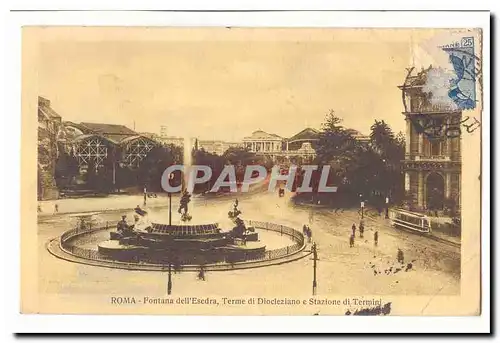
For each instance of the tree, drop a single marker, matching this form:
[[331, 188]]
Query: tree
[[154, 164], [237, 155], [216, 164], [66, 168], [390, 150], [335, 143], [381, 137]]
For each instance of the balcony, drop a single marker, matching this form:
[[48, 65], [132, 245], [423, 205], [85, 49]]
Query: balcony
[[431, 108], [440, 158]]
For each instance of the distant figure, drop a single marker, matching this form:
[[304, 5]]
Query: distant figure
[[309, 234], [351, 241], [401, 256], [361, 229], [201, 274], [39, 208], [304, 230], [375, 238], [145, 195], [353, 228], [56, 208], [281, 192], [177, 266]]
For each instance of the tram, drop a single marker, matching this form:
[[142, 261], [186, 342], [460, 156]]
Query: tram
[[403, 219]]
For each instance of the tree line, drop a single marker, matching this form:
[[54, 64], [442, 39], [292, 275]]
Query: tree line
[[370, 170]]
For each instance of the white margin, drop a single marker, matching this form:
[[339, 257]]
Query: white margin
[[15, 322]]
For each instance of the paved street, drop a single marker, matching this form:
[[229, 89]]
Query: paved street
[[363, 269]]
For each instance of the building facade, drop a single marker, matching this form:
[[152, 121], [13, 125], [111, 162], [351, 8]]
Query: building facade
[[432, 164], [261, 142], [96, 143], [298, 149], [49, 128], [217, 147]]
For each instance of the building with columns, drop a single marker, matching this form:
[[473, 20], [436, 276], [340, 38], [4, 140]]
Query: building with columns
[[432, 164], [298, 149], [264, 143]]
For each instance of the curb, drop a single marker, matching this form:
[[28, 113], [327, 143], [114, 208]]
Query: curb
[[228, 196], [54, 248]]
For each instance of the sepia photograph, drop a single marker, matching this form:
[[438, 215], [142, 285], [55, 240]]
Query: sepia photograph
[[251, 171]]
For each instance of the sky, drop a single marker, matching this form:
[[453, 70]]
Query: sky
[[217, 83]]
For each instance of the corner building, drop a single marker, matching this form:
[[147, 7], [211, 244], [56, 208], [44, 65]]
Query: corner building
[[432, 167]]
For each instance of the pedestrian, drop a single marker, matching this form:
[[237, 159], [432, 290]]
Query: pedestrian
[[309, 234], [145, 194], [56, 208], [375, 238], [201, 274], [361, 229], [401, 256], [351, 241], [304, 230], [353, 228], [39, 208]]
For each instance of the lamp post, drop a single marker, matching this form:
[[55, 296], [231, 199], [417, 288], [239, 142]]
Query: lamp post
[[315, 258], [170, 177], [169, 284], [387, 207], [362, 205]]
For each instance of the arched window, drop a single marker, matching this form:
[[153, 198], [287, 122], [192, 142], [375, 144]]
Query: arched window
[[136, 149]]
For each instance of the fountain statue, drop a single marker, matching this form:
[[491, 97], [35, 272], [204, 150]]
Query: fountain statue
[[240, 231], [155, 242], [183, 208]]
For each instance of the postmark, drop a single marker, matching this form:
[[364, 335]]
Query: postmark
[[437, 129]]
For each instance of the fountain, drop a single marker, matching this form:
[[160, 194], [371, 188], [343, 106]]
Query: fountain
[[155, 242], [182, 244]]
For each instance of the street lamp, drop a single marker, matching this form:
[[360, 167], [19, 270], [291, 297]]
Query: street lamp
[[169, 283], [362, 205], [315, 258], [387, 207], [170, 177]]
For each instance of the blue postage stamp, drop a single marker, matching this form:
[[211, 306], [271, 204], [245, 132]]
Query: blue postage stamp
[[463, 86]]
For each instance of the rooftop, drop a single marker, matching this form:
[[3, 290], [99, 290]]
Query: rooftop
[[306, 134], [44, 107], [113, 132]]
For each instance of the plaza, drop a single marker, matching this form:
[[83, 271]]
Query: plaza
[[341, 270]]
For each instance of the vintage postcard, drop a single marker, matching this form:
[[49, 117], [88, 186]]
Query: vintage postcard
[[251, 171]]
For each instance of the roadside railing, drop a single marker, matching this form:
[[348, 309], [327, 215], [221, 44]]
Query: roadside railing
[[296, 236]]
